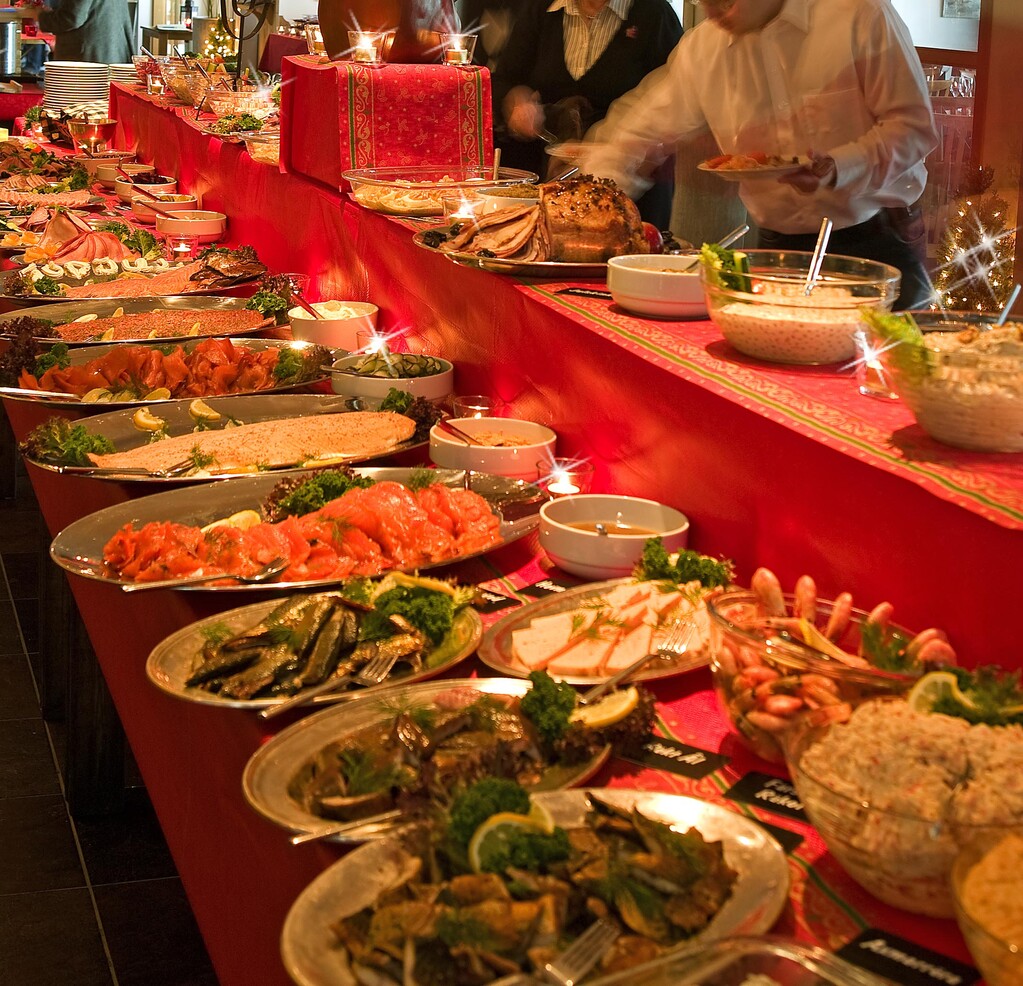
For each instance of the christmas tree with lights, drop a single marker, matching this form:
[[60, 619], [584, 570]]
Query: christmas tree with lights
[[975, 261], [219, 44]]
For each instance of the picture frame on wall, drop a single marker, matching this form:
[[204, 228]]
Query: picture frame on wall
[[968, 9]]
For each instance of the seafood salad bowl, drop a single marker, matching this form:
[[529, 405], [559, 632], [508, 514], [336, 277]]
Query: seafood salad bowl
[[758, 302], [778, 658], [896, 793]]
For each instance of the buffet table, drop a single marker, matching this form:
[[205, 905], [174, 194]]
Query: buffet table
[[788, 468]]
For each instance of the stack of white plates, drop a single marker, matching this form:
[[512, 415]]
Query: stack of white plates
[[124, 72], [66, 83]]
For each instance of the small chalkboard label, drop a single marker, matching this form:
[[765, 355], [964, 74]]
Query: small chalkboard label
[[585, 292], [492, 602], [547, 587], [905, 962], [790, 841], [769, 793], [677, 758]]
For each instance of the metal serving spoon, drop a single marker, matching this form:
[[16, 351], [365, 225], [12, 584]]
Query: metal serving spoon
[[267, 573]]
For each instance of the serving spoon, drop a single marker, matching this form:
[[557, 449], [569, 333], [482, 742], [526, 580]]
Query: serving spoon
[[445, 425], [726, 241], [817, 260], [267, 573]]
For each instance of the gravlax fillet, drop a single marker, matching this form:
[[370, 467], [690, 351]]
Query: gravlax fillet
[[272, 444]]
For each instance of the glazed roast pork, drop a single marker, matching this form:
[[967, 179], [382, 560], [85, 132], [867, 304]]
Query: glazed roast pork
[[577, 221]]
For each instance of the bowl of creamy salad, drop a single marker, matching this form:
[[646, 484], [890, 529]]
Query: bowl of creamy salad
[[963, 381], [757, 300], [896, 793]]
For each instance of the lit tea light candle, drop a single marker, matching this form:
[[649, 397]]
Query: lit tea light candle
[[365, 47], [458, 48], [560, 484], [182, 248], [565, 477]]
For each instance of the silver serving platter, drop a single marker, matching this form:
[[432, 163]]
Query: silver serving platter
[[173, 661], [312, 959], [549, 269], [78, 548], [81, 355], [495, 649], [247, 409], [271, 768], [67, 311]]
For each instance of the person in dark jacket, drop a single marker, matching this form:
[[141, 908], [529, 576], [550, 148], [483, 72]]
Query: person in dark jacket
[[565, 63], [90, 30]]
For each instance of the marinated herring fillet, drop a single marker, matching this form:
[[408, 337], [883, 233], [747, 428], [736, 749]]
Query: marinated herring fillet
[[160, 323], [271, 444]]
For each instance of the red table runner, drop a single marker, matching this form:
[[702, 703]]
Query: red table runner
[[336, 116]]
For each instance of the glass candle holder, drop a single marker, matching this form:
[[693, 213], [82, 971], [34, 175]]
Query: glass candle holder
[[314, 40], [458, 48], [564, 477], [365, 46], [182, 247], [460, 207], [872, 378], [475, 406], [154, 85]]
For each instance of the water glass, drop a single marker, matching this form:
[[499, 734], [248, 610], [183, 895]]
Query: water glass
[[872, 377]]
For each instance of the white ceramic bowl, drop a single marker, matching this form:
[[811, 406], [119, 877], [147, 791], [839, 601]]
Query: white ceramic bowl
[[607, 556], [170, 201], [513, 461], [127, 190], [658, 285], [432, 387], [107, 173], [208, 226], [91, 164], [339, 326], [491, 200]]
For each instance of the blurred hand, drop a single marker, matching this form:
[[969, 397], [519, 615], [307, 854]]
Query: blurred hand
[[820, 171], [523, 113]]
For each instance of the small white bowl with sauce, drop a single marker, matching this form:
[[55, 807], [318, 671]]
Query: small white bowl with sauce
[[569, 534], [658, 285], [513, 447]]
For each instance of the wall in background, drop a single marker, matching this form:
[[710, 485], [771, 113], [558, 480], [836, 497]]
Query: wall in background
[[291, 9], [930, 30]]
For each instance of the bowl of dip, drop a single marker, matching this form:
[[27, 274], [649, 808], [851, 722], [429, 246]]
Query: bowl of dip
[[658, 285], [374, 374], [985, 892], [764, 312], [107, 172], [92, 162], [208, 226], [127, 190], [896, 794], [339, 326], [508, 447], [570, 536], [963, 381], [168, 201]]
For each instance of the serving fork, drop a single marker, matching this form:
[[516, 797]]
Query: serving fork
[[583, 954]]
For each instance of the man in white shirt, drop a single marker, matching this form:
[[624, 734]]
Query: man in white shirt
[[837, 78]]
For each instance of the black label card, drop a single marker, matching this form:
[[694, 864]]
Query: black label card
[[585, 292], [905, 962], [547, 587], [492, 602], [765, 791], [677, 758], [790, 841]]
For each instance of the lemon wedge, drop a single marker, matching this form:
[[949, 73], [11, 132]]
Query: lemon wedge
[[497, 830], [242, 520], [145, 420], [159, 394], [98, 395], [933, 687], [815, 639], [609, 710], [199, 410], [107, 336]]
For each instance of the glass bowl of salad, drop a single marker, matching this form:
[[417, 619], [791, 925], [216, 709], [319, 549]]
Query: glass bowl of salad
[[773, 672], [757, 299]]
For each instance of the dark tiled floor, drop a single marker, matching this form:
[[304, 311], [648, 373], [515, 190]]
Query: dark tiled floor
[[93, 902]]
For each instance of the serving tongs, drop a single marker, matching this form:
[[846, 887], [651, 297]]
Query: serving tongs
[[51, 394], [178, 469], [445, 425], [362, 827]]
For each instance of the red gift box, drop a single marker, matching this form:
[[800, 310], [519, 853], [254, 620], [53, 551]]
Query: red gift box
[[336, 116]]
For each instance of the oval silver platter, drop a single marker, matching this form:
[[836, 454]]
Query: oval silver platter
[[548, 269], [81, 355], [496, 647], [271, 768], [173, 661], [60, 312], [78, 548], [354, 882], [247, 409]]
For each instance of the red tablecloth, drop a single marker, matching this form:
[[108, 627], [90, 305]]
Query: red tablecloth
[[341, 115], [774, 466], [277, 47], [15, 104]]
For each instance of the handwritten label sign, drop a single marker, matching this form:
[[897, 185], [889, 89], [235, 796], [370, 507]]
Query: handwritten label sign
[[905, 962], [492, 602], [585, 292], [677, 758], [547, 587], [790, 841], [770, 793]]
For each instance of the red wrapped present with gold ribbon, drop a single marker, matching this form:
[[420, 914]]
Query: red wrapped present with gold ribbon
[[336, 116]]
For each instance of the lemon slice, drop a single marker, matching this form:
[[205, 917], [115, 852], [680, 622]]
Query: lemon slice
[[199, 410], [497, 830], [98, 395], [107, 336], [242, 520], [815, 639], [159, 394], [609, 710], [933, 687], [145, 420]]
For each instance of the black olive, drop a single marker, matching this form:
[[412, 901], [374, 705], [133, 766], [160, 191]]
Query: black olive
[[434, 237], [486, 253]]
